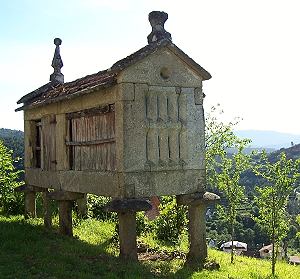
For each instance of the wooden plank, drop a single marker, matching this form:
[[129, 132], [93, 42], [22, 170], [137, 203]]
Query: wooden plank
[[45, 144], [62, 154], [49, 142], [91, 112], [53, 160], [93, 142], [38, 144], [29, 143]]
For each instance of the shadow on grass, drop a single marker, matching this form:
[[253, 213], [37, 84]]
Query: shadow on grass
[[28, 250]]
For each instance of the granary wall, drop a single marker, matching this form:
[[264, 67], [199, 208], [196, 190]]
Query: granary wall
[[163, 127], [61, 176]]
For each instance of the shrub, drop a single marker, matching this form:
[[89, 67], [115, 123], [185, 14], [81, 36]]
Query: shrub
[[96, 208], [168, 226], [10, 203], [172, 220]]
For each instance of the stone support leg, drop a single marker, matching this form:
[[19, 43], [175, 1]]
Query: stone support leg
[[46, 210], [127, 235], [65, 217], [197, 234], [30, 206], [82, 206]]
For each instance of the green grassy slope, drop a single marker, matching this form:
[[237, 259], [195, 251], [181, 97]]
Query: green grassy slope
[[27, 250]]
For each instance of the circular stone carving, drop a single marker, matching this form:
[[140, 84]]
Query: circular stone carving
[[165, 72]]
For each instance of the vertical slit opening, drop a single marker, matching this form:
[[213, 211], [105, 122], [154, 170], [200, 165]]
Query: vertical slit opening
[[169, 147], [177, 106], [168, 107], [178, 139], [157, 107], [147, 142], [158, 145]]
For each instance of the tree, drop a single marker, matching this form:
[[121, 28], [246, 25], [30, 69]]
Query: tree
[[272, 198], [8, 179], [219, 138], [228, 173], [298, 222], [223, 169]]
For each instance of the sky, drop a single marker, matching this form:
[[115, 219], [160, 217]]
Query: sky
[[251, 48]]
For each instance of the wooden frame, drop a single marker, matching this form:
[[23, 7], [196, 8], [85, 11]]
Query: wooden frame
[[92, 139]]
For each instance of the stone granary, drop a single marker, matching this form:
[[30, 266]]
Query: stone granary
[[131, 132]]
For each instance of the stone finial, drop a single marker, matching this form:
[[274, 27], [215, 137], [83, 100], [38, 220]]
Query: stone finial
[[157, 20], [57, 63]]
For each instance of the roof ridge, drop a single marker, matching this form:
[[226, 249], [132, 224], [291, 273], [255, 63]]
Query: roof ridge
[[104, 77]]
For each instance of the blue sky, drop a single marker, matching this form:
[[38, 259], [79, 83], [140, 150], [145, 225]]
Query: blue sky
[[251, 48]]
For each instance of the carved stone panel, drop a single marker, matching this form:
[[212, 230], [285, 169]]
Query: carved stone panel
[[165, 125]]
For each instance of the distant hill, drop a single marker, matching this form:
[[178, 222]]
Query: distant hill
[[292, 152], [250, 180], [14, 140], [269, 139], [8, 133]]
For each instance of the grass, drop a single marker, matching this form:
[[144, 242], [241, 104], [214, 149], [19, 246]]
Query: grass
[[27, 250]]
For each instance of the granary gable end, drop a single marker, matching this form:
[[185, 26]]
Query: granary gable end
[[166, 64]]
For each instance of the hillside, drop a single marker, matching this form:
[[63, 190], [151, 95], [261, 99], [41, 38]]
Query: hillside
[[269, 139], [14, 140], [292, 152], [30, 251]]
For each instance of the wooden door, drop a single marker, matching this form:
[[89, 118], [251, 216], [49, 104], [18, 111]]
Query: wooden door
[[48, 160]]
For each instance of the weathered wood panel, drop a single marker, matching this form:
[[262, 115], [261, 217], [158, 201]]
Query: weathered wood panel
[[37, 145], [48, 142], [62, 151], [29, 143], [92, 139]]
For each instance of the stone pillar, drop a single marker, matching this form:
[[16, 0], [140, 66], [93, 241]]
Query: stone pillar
[[127, 235], [65, 201], [47, 210], [197, 233], [126, 209], [65, 217], [82, 206], [30, 195], [197, 203], [30, 206]]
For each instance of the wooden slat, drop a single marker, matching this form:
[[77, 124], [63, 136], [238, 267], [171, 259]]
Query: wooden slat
[[91, 112], [93, 140], [48, 142]]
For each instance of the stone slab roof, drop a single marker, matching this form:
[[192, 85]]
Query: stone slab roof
[[55, 91], [51, 93]]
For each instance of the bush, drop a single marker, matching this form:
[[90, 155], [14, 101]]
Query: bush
[[168, 226], [96, 208], [10, 203], [172, 220]]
